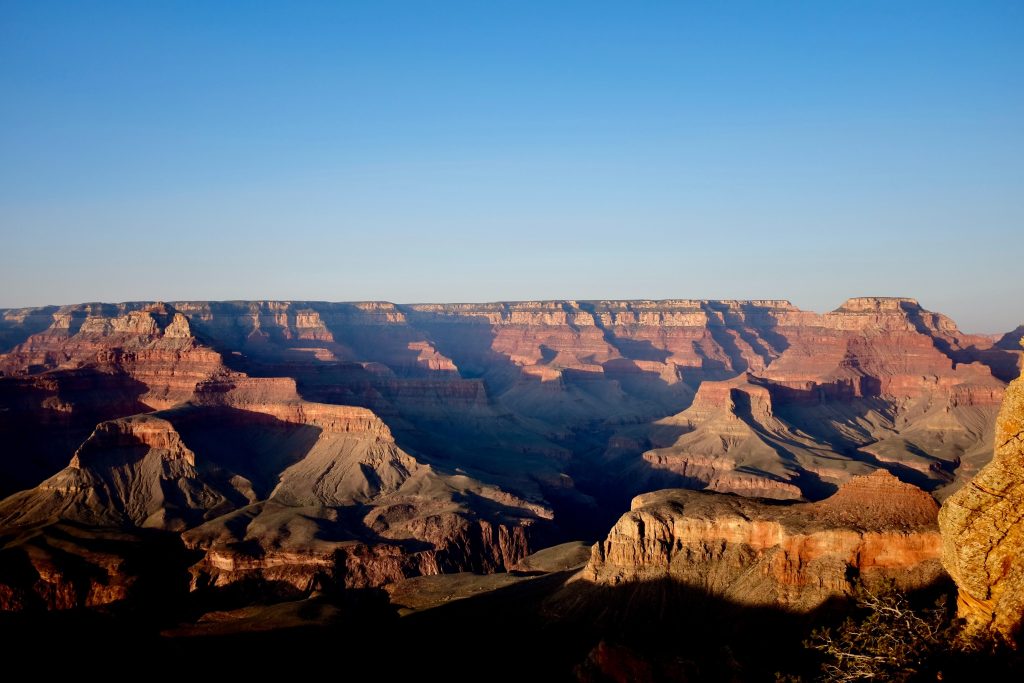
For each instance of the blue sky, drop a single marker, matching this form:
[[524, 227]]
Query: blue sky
[[514, 150]]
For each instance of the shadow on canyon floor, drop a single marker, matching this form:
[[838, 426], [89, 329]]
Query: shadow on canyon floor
[[538, 629]]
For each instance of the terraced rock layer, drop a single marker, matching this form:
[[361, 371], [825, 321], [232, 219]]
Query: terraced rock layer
[[290, 444], [874, 530]]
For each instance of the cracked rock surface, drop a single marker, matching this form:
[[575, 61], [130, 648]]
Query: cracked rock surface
[[983, 538]]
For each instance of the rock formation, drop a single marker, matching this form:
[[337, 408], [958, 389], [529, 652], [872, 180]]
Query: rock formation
[[983, 533], [266, 485], [293, 443], [875, 529], [882, 379]]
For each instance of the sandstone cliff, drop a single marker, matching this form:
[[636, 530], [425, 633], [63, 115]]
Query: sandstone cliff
[[875, 529], [983, 533]]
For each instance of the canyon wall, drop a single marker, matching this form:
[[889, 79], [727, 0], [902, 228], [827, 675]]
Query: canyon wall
[[298, 443]]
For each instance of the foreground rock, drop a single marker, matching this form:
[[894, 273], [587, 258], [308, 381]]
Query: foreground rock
[[875, 529], [983, 537]]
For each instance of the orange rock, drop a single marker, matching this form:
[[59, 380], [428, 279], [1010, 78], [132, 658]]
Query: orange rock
[[794, 556], [983, 532]]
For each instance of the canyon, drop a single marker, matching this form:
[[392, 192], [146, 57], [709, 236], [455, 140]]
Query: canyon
[[273, 448]]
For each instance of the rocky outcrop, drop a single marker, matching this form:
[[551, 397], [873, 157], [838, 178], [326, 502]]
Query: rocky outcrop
[[363, 515], [875, 529], [725, 444], [755, 436], [983, 531], [130, 472], [286, 550]]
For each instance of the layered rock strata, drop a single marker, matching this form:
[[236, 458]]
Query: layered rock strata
[[875, 529], [300, 442], [880, 382]]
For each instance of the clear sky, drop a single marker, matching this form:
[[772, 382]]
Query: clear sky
[[436, 151]]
